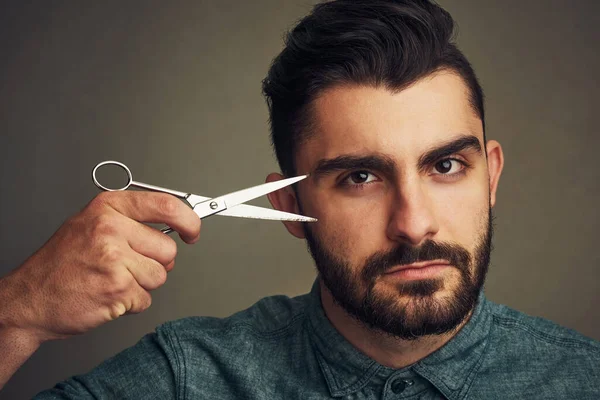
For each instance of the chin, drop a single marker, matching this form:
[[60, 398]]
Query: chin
[[419, 294]]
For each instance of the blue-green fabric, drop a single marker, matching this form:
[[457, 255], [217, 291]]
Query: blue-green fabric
[[285, 348]]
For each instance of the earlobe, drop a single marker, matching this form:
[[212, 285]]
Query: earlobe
[[495, 160], [285, 200]]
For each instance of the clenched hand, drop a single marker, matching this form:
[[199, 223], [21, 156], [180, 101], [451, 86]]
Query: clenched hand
[[101, 264]]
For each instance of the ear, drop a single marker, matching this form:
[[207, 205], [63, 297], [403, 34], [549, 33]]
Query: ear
[[285, 200], [495, 160]]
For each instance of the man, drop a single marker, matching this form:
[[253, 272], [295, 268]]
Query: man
[[374, 101]]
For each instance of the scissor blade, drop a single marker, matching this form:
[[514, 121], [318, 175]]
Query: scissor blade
[[194, 199], [248, 211], [244, 195]]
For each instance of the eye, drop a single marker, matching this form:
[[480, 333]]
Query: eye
[[359, 178], [448, 166]]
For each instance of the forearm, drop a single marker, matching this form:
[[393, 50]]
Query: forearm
[[16, 347], [16, 343]]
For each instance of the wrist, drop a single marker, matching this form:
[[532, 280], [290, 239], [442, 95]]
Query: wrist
[[12, 314], [27, 342], [16, 346]]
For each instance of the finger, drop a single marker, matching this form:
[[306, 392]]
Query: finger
[[139, 300], [170, 266], [189, 240], [154, 207], [149, 242], [148, 273], [131, 300]]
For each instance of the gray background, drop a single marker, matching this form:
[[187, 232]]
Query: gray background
[[173, 90]]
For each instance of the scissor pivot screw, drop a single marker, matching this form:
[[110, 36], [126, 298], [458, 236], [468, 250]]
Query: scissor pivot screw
[[213, 205]]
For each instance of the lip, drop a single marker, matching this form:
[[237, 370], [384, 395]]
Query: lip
[[418, 265]]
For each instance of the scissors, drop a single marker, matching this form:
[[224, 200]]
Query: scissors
[[229, 204]]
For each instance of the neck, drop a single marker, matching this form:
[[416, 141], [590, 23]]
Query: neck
[[385, 349]]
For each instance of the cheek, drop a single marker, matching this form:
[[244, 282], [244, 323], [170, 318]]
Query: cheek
[[350, 229], [462, 213]]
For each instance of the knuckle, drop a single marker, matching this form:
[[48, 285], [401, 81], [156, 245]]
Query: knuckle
[[141, 302], [102, 225], [170, 249], [118, 282], [116, 310], [157, 276], [197, 226], [168, 205], [161, 275], [146, 301], [101, 199], [110, 255]]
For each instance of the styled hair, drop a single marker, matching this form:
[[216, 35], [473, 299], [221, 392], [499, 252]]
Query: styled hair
[[381, 43]]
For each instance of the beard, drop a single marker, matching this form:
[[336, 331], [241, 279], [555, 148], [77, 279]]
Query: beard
[[421, 314]]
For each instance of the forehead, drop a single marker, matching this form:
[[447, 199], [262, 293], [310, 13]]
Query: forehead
[[355, 120]]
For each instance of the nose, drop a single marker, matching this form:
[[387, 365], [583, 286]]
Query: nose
[[412, 218]]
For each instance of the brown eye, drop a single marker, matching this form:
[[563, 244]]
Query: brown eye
[[448, 166], [443, 167], [358, 178]]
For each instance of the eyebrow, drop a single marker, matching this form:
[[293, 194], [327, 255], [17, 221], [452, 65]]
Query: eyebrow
[[467, 142], [385, 164], [376, 162]]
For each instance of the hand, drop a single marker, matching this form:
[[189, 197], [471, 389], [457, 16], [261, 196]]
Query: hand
[[99, 265]]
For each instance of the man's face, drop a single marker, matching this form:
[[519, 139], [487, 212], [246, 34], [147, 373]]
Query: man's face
[[398, 181]]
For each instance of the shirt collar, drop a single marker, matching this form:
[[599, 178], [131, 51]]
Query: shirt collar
[[449, 369]]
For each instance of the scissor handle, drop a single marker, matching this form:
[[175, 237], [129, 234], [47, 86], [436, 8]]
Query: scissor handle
[[118, 164], [132, 183]]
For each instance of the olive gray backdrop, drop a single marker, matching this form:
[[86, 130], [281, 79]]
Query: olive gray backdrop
[[172, 89]]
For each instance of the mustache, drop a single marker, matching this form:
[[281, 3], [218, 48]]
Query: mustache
[[403, 254]]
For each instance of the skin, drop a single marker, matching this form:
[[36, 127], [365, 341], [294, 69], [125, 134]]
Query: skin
[[101, 264], [406, 201]]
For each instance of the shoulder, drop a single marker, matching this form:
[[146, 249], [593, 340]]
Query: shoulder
[[532, 357], [517, 324], [535, 346], [268, 318]]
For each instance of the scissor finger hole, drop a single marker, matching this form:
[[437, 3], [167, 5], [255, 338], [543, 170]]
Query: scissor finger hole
[[110, 176]]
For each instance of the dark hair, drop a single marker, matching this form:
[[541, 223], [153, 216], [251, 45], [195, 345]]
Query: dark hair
[[389, 43]]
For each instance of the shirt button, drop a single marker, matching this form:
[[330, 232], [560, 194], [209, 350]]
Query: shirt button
[[399, 385]]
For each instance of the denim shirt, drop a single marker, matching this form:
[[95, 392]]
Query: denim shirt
[[286, 348]]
